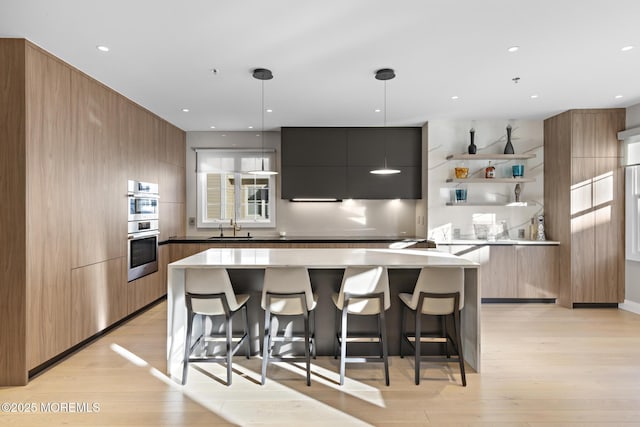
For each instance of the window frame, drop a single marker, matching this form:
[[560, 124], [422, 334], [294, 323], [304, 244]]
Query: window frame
[[632, 202], [238, 175]]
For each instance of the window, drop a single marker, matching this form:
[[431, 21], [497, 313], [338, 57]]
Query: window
[[226, 191], [633, 212]]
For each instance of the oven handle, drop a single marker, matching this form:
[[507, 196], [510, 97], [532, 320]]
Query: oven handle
[[144, 195], [143, 234]]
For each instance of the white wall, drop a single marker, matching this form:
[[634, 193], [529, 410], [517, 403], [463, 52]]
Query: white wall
[[348, 218], [632, 268], [449, 137]]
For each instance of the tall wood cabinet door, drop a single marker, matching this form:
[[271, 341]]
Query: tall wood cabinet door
[[582, 230], [98, 208], [48, 201], [583, 134], [608, 124], [608, 201], [537, 271]]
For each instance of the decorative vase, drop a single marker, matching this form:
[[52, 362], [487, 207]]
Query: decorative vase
[[472, 147], [508, 149]]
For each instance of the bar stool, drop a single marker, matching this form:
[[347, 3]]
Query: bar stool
[[208, 293], [364, 292], [438, 292], [287, 292]]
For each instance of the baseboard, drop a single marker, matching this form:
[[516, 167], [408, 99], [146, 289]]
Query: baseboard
[[631, 306], [595, 305], [518, 300]]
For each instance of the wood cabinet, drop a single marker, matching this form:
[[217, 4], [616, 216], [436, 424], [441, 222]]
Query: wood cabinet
[[336, 163], [537, 271], [584, 203], [98, 297], [69, 144], [13, 181], [514, 271], [48, 232]]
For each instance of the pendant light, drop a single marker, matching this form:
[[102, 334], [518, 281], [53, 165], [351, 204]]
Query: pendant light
[[385, 74], [262, 74]]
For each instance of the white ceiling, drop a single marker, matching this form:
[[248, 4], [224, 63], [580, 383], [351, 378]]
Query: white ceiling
[[323, 55]]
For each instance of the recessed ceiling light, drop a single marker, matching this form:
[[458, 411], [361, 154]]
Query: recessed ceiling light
[[212, 127], [513, 49], [185, 110], [534, 96], [214, 71], [102, 48], [250, 127], [269, 110], [377, 110], [618, 96], [454, 97], [626, 48]]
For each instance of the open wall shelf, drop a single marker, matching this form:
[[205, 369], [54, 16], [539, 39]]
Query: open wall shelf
[[484, 156], [490, 180]]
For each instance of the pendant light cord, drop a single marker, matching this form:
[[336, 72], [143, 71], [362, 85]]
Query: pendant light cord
[[384, 140], [262, 125]]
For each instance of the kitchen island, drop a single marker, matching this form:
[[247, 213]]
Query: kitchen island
[[246, 269]]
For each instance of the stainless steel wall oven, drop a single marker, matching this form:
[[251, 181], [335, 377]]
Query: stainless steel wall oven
[[143, 229]]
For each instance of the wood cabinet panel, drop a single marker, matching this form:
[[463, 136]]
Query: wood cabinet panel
[[608, 201], [583, 134], [175, 146], [172, 183], [607, 126], [537, 271], [499, 273], [48, 207], [98, 212], [13, 356], [145, 290], [138, 130], [98, 297], [172, 220]]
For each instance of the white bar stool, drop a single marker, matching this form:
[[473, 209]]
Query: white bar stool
[[364, 292], [208, 293], [438, 292], [287, 292]]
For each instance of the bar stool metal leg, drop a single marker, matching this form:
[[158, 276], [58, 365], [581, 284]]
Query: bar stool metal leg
[[343, 344], [383, 338], [266, 351], [187, 346]]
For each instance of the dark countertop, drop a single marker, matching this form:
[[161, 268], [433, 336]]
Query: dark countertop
[[295, 239]]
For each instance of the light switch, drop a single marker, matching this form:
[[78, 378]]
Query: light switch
[[192, 221]]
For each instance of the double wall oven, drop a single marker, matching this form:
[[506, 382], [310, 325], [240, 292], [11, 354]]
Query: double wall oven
[[143, 229]]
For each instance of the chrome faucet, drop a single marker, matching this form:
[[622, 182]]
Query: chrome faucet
[[221, 233]]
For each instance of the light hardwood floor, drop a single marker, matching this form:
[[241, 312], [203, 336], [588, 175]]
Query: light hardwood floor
[[543, 365]]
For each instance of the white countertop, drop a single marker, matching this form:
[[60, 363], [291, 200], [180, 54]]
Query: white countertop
[[499, 242], [321, 258]]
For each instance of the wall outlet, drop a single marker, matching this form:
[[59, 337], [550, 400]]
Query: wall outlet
[[192, 221]]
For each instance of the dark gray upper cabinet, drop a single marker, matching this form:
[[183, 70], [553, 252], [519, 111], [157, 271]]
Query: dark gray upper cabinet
[[335, 162], [314, 146], [370, 146]]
